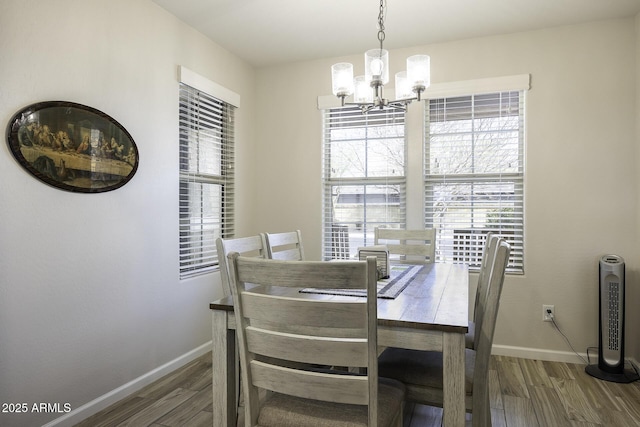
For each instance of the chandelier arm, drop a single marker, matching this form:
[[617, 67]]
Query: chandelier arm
[[399, 105], [405, 100]]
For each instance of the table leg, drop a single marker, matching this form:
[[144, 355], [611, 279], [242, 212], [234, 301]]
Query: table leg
[[224, 371], [453, 368]]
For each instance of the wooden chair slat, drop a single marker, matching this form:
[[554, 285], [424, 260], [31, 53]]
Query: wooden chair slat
[[274, 309], [348, 389], [412, 246], [254, 246], [307, 348], [286, 246]]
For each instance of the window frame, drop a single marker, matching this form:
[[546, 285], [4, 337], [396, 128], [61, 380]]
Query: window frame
[[472, 239], [206, 188], [341, 239]]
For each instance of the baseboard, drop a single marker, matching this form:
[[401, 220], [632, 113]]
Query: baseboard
[[536, 353], [104, 401], [550, 355]]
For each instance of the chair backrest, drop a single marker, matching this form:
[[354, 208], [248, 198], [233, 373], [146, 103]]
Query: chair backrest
[[412, 246], [488, 257], [273, 325], [285, 246], [487, 329], [248, 246]]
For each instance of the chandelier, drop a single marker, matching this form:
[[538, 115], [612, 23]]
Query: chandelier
[[367, 89]]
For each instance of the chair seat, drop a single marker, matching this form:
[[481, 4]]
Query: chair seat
[[421, 368], [281, 410]]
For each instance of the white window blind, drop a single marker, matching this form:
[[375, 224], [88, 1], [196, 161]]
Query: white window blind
[[364, 178], [206, 206], [474, 173]]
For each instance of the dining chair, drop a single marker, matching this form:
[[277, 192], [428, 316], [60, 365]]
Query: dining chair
[[252, 246], [422, 371], [408, 246], [273, 327], [486, 264], [247, 246], [285, 246]]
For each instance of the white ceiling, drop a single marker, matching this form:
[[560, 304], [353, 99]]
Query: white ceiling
[[269, 32]]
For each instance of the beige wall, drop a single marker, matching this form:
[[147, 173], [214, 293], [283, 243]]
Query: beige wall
[[581, 186]]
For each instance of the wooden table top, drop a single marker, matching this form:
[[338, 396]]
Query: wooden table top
[[437, 298]]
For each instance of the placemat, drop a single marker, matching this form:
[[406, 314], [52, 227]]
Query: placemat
[[401, 276]]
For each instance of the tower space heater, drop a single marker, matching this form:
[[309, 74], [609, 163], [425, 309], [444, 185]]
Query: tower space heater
[[610, 365]]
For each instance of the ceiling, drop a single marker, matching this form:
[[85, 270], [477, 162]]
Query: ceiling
[[270, 32]]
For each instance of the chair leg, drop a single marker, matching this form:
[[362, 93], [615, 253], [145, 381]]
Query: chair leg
[[481, 414]]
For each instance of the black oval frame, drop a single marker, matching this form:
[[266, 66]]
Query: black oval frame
[[61, 142]]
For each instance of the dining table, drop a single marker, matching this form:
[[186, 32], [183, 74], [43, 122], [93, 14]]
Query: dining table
[[431, 313]]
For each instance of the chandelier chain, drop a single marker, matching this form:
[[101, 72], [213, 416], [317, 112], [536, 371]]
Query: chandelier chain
[[381, 34]]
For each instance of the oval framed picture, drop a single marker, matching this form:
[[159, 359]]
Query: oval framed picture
[[72, 147]]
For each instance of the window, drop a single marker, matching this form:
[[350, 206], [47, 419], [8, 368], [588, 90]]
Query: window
[[206, 178], [474, 171], [364, 177]]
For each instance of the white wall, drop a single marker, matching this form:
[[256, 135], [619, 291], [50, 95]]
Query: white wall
[[581, 185], [89, 292]]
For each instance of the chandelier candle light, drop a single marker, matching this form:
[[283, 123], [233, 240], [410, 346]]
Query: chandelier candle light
[[367, 89]]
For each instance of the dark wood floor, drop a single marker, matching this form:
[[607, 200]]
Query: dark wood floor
[[524, 393]]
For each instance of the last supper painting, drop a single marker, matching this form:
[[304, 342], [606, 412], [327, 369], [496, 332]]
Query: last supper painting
[[72, 146]]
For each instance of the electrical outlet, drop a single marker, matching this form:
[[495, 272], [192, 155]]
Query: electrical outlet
[[548, 313]]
